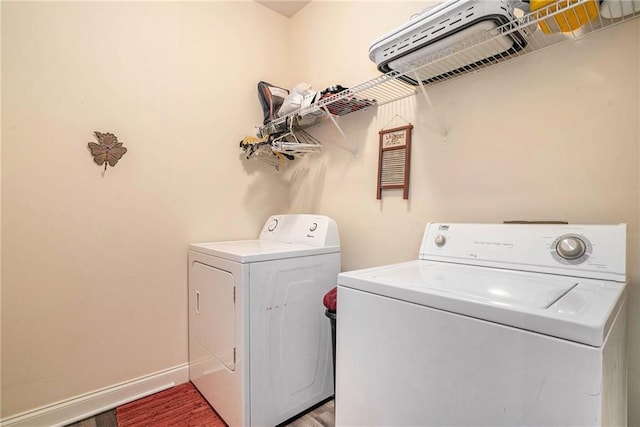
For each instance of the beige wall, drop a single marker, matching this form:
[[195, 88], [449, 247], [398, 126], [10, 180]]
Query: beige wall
[[94, 267], [0, 213], [550, 136]]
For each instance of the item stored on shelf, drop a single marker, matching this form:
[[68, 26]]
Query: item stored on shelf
[[619, 8], [567, 21], [349, 105], [296, 143], [261, 148], [346, 105], [301, 96], [271, 99], [443, 27]]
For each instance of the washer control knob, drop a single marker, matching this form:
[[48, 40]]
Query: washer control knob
[[571, 247], [313, 227], [272, 225], [440, 240]]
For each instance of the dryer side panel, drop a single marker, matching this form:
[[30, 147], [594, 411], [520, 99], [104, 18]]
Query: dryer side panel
[[291, 357]]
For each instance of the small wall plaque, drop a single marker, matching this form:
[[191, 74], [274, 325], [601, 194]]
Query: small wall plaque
[[108, 150], [394, 160]]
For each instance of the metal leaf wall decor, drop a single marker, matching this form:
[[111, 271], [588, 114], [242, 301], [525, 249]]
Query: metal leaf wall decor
[[108, 150]]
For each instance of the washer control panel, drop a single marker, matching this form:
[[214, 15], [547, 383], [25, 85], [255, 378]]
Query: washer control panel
[[440, 240], [593, 251], [571, 249]]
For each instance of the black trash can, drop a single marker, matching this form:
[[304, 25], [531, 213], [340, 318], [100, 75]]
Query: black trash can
[[330, 302], [332, 318]]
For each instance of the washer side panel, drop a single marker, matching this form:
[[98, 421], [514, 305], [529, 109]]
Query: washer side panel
[[400, 363]]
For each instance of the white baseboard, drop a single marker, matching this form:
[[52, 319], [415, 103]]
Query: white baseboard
[[89, 404]]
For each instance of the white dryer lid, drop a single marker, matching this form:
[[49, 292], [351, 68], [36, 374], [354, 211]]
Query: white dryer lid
[[571, 308], [244, 251]]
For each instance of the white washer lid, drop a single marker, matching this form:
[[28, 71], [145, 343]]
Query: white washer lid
[[482, 285], [572, 308], [244, 251]]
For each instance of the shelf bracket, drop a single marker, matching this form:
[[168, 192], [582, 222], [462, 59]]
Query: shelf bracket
[[354, 148], [443, 130]]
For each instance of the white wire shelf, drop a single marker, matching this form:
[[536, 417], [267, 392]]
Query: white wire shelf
[[488, 48], [379, 91], [472, 54]]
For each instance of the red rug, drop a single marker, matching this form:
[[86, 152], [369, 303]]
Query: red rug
[[179, 406]]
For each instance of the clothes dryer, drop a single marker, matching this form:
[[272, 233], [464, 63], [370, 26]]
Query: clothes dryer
[[494, 324], [259, 343]]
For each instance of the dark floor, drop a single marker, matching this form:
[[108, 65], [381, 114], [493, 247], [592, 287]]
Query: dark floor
[[322, 416], [105, 419]]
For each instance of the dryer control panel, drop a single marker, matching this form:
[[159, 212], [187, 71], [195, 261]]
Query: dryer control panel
[[312, 230], [591, 251]]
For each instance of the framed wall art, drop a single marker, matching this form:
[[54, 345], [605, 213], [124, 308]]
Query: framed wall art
[[394, 160]]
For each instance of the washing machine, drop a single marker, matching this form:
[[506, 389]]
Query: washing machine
[[493, 324], [259, 343]]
